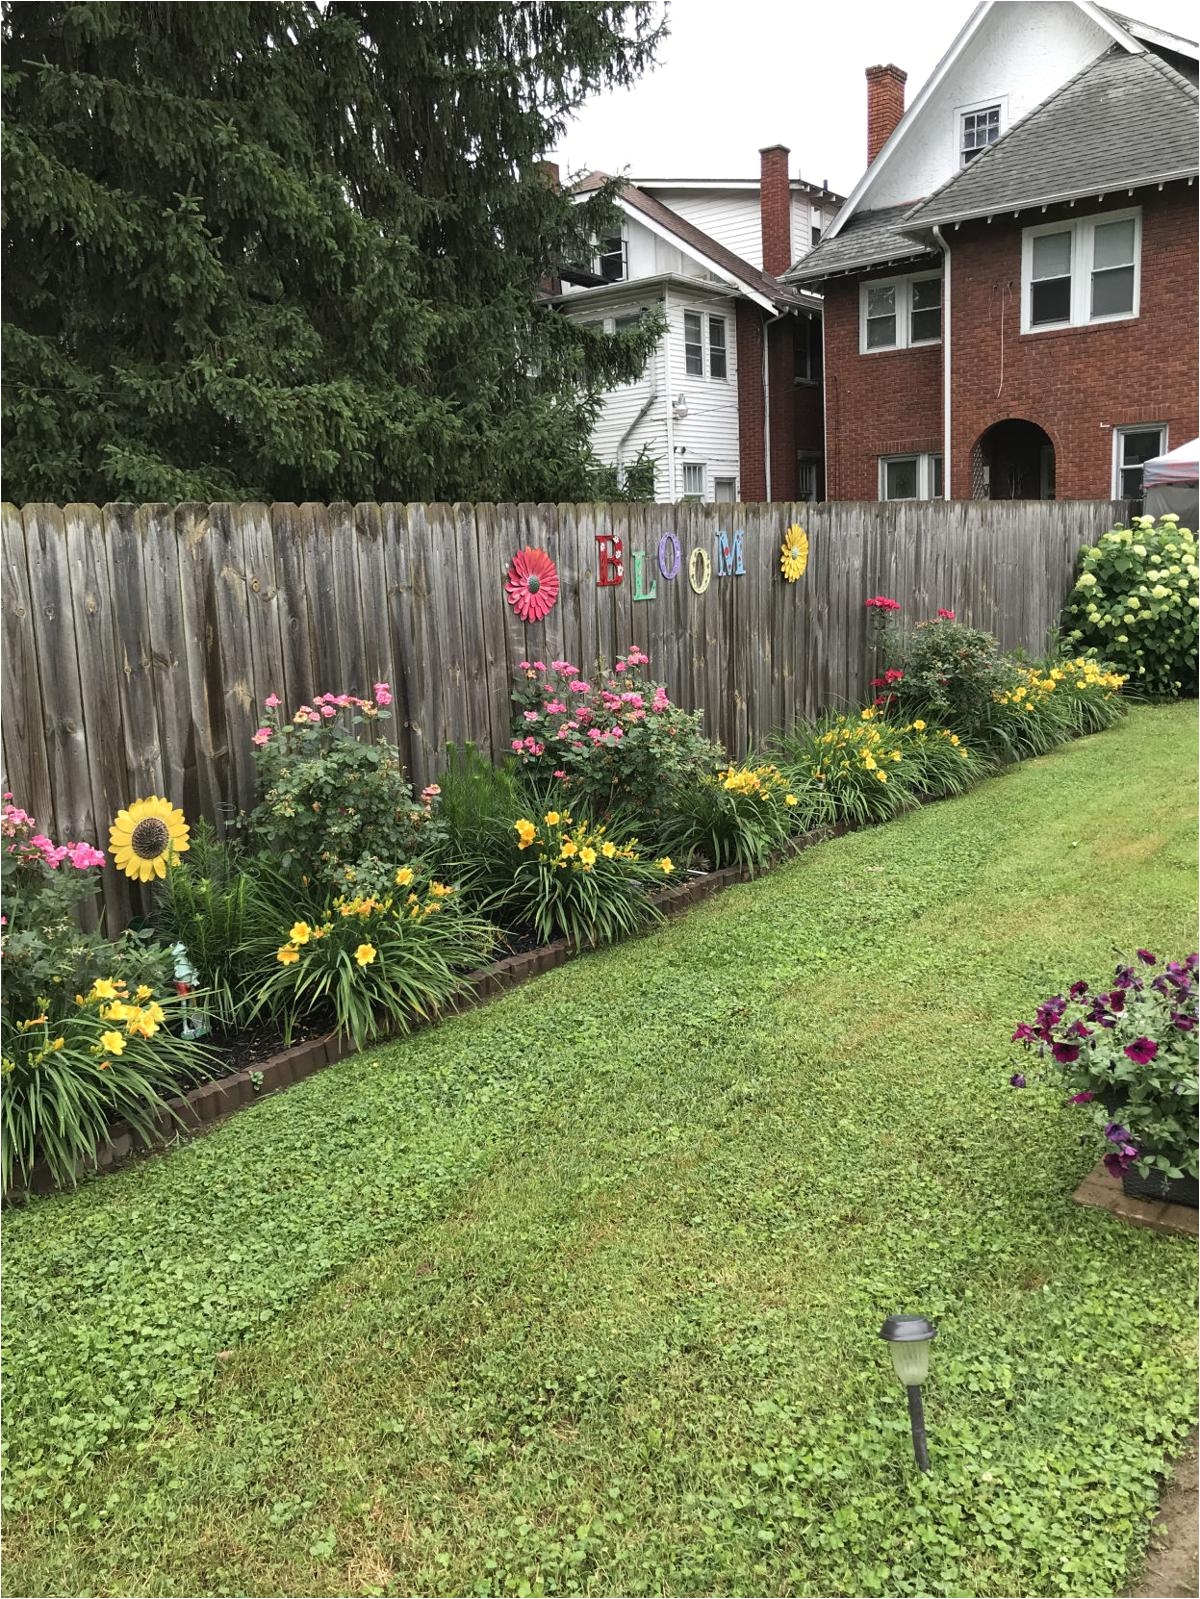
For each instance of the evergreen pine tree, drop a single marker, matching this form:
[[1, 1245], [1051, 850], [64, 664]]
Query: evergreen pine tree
[[293, 251]]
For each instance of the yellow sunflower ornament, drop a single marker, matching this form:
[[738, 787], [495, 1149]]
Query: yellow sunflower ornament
[[147, 838], [793, 553]]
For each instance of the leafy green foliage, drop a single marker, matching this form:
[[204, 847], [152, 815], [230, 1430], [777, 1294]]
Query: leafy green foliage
[[737, 816], [570, 879], [1135, 604], [951, 675], [848, 768], [595, 1272], [371, 963], [471, 833], [613, 735], [205, 903], [327, 785], [633, 482], [294, 251]]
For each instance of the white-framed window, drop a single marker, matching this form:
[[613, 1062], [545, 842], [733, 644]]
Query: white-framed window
[[693, 344], [1132, 448], [897, 313], [816, 225], [694, 336], [910, 477], [610, 262], [976, 130], [725, 490], [717, 363], [627, 320], [694, 483], [1081, 271]]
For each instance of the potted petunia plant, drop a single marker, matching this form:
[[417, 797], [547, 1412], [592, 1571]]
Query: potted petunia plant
[[1128, 1054]]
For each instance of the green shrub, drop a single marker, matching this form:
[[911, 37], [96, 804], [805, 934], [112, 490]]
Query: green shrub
[[738, 815], [570, 879], [328, 784], [1135, 602], [948, 674], [368, 964]]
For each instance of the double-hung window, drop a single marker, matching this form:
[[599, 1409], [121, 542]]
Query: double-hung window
[[1080, 272], [807, 334], [910, 477], [716, 347], [977, 129], [897, 313], [694, 346]]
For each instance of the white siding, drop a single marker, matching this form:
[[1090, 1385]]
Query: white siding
[[709, 432], [801, 226], [1021, 53], [733, 219]]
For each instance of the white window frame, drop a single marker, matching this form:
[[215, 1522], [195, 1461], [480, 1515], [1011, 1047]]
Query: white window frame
[[1119, 434], [804, 464], [699, 317], [924, 476], [816, 225], [599, 252], [961, 111], [732, 481], [903, 288], [690, 494], [710, 318], [1083, 234]]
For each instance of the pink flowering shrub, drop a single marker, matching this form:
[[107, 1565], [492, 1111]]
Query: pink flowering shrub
[[331, 787], [610, 737]]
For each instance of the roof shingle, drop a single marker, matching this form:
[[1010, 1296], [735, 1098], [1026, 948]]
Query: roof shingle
[[869, 238]]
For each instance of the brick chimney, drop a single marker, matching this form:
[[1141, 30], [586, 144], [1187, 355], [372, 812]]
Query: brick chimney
[[775, 208], [885, 106], [549, 170]]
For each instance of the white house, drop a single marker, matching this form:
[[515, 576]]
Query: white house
[[729, 405]]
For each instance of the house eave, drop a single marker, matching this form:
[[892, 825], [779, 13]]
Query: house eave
[[1043, 202]]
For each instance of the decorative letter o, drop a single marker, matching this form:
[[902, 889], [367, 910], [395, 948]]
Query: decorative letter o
[[669, 544], [699, 581]]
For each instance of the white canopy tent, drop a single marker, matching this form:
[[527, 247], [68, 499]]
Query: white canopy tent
[[1172, 483]]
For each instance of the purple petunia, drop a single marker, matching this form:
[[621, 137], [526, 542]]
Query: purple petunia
[[1115, 1133], [1142, 1051], [1065, 1054], [1023, 1033], [1085, 1098], [1145, 955], [1118, 1161], [1017, 1080], [1078, 990], [1184, 1022]]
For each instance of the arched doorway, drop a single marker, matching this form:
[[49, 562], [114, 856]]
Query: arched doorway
[[1013, 460]]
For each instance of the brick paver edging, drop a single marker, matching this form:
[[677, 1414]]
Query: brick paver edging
[[1103, 1192]]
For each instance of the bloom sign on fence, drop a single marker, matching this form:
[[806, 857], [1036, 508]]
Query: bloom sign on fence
[[141, 641]]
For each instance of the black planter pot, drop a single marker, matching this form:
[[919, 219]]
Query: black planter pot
[[1114, 1099], [1157, 1185]]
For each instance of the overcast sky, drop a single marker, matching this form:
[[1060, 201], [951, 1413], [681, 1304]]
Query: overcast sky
[[735, 75]]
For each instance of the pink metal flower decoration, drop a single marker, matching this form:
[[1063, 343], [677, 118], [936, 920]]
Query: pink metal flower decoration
[[531, 586]]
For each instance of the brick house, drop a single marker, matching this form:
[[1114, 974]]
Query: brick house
[[1010, 289], [729, 406]]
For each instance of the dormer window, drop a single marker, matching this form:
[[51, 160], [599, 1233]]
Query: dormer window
[[977, 130]]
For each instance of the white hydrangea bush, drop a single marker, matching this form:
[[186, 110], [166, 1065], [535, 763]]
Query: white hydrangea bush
[[1135, 604]]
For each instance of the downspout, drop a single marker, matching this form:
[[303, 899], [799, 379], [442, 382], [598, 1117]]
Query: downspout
[[670, 402], [766, 380], [947, 469], [639, 418]]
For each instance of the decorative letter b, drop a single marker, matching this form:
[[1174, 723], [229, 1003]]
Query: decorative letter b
[[612, 564]]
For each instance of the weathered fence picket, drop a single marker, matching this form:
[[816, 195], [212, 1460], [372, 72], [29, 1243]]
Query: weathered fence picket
[[140, 641]]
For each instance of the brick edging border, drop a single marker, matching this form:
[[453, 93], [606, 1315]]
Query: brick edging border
[[191, 1113]]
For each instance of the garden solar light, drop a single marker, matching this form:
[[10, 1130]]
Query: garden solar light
[[909, 1338]]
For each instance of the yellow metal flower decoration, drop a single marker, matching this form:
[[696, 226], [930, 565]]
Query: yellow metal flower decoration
[[147, 837], [793, 553]]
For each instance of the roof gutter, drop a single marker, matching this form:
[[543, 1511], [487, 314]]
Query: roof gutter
[[947, 387]]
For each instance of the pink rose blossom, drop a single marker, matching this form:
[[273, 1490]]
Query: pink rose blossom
[[271, 701], [261, 737], [517, 745], [328, 711], [83, 856], [532, 716], [383, 694], [524, 665], [620, 666], [539, 666], [578, 686], [555, 708], [558, 772]]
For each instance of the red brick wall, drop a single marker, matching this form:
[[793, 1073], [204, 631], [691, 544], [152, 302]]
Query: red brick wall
[[775, 209], [751, 416], [1076, 383], [885, 403], [885, 106]]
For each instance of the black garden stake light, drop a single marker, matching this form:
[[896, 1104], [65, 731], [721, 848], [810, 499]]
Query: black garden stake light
[[909, 1338]]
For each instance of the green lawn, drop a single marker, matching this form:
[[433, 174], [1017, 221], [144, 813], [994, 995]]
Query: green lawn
[[579, 1293]]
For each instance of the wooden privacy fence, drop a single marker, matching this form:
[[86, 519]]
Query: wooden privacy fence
[[141, 640]]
